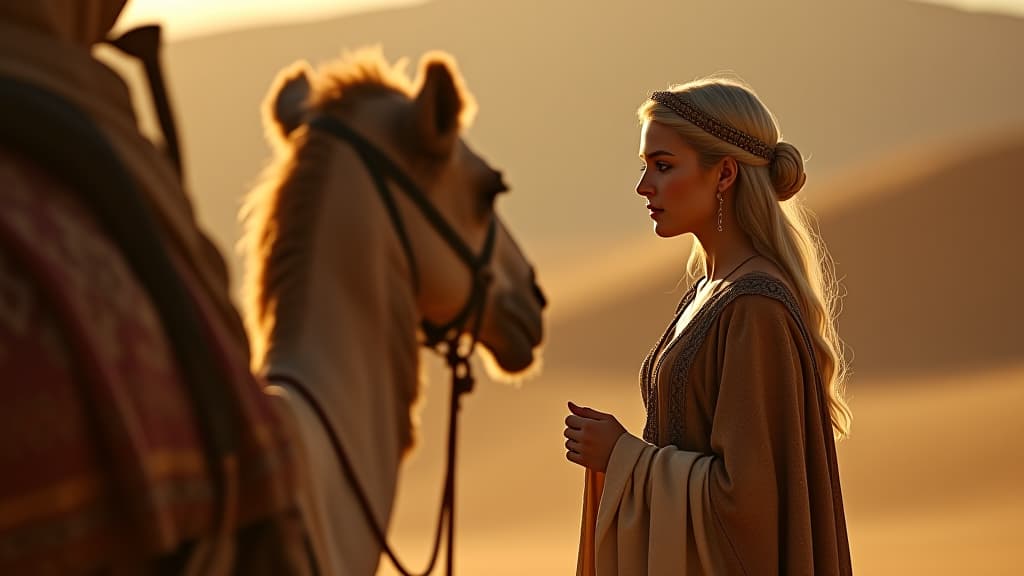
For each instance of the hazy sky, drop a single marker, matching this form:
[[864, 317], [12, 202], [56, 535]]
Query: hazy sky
[[194, 17]]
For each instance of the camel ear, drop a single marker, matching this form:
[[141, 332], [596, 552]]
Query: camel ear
[[287, 102], [439, 104]]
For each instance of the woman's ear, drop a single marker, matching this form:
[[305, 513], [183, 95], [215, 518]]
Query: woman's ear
[[728, 170]]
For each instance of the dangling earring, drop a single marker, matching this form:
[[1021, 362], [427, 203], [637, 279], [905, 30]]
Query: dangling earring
[[721, 203]]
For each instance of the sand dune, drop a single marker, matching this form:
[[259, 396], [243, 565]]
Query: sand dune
[[894, 103], [851, 82], [932, 267], [931, 475], [927, 258]]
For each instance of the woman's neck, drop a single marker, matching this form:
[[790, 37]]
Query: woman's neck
[[725, 251]]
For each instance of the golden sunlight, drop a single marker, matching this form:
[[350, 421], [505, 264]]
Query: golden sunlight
[[183, 18], [1009, 7]]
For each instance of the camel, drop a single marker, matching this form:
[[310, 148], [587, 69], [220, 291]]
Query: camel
[[374, 234]]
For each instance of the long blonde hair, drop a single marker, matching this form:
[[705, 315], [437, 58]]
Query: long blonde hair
[[780, 229]]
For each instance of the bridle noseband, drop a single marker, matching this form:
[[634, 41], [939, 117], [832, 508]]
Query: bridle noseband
[[445, 339], [382, 168]]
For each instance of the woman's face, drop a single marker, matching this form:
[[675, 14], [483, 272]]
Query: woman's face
[[680, 193]]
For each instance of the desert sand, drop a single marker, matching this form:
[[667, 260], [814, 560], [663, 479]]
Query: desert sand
[[909, 117]]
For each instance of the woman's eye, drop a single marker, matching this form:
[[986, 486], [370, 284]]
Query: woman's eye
[[662, 166]]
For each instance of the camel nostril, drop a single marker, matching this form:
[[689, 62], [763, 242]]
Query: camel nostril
[[539, 295], [537, 292]]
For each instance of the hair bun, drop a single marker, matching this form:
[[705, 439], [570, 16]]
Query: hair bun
[[787, 171]]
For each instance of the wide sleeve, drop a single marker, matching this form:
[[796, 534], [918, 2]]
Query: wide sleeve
[[743, 508], [641, 521]]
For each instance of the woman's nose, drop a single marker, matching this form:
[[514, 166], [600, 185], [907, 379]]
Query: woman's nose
[[643, 188]]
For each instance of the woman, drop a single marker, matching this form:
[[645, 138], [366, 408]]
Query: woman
[[736, 472]]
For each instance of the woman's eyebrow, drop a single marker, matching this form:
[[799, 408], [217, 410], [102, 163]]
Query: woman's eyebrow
[[656, 153]]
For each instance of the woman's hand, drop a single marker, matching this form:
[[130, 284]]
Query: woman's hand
[[590, 437]]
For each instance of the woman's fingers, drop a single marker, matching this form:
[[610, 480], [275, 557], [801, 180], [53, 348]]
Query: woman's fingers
[[586, 412], [576, 422], [591, 436], [574, 445]]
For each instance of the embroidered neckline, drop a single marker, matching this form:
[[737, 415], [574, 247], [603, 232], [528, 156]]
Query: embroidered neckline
[[648, 385], [693, 337]]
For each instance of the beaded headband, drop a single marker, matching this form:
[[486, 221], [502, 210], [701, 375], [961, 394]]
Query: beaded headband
[[713, 126]]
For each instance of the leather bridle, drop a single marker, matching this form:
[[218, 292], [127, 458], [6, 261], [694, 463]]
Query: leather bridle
[[445, 339]]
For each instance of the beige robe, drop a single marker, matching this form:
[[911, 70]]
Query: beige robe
[[737, 471]]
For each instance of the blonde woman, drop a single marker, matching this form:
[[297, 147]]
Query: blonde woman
[[736, 469]]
